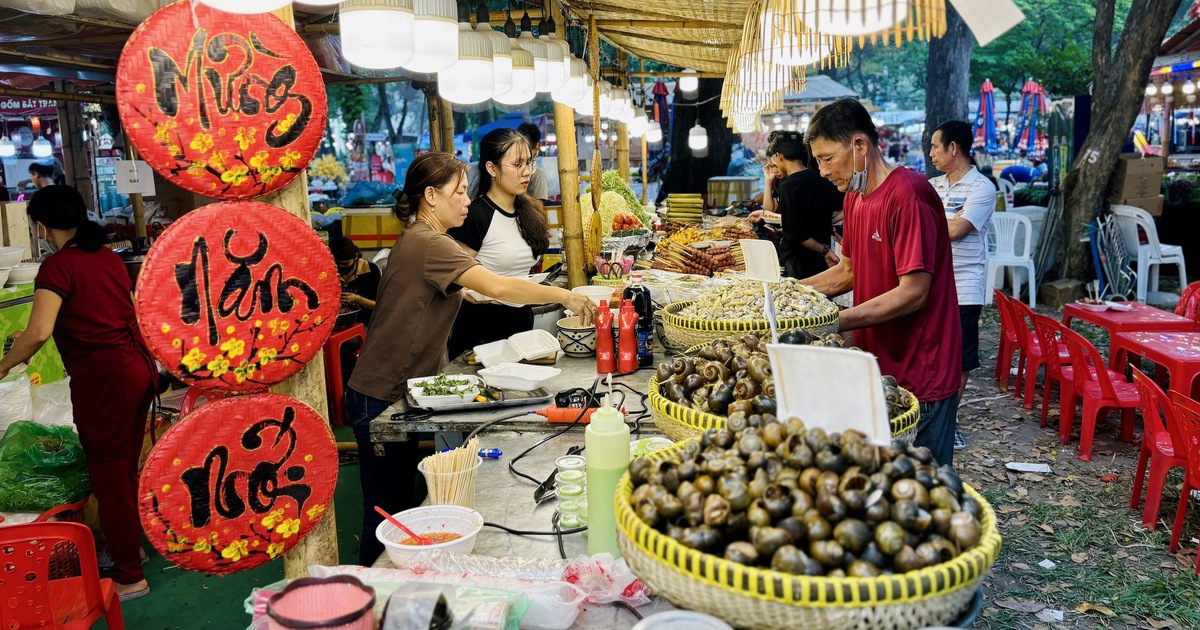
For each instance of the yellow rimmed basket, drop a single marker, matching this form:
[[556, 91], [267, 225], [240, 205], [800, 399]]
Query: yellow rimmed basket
[[748, 597], [686, 332], [680, 423]]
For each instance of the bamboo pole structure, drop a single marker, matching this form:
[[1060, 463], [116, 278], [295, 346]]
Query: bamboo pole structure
[[594, 63], [308, 385], [447, 125], [433, 105], [675, 75], [623, 150], [645, 145], [568, 178], [135, 199]]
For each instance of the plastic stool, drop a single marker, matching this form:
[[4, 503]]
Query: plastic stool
[[333, 367], [193, 394]]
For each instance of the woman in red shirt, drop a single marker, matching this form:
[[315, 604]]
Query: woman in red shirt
[[82, 297]]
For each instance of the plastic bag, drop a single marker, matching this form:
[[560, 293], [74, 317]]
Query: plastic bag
[[132, 11], [364, 194], [16, 401], [414, 607], [41, 7], [41, 467], [479, 608], [52, 403]]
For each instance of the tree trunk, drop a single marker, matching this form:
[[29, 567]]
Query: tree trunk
[[1117, 98], [687, 173], [383, 113], [948, 78]]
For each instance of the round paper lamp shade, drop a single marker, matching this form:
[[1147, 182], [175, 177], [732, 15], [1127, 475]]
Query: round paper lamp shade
[[435, 36], [859, 17], [247, 6], [377, 38]]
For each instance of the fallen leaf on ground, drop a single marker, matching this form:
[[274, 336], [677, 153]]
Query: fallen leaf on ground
[[1159, 625], [1046, 528], [1070, 502], [1079, 558], [1020, 565], [1087, 607], [1020, 606]]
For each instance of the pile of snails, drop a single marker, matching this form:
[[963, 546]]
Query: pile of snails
[[731, 377], [765, 493]]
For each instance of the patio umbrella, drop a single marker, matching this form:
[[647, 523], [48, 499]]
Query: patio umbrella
[[662, 111], [985, 121], [1030, 138]]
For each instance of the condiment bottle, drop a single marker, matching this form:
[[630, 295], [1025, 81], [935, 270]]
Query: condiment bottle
[[607, 442], [606, 359], [640, 295], [627, 356]]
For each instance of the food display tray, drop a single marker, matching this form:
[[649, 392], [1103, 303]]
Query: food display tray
[[507, 399]]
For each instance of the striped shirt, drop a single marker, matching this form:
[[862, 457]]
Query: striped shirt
[[976, 196]]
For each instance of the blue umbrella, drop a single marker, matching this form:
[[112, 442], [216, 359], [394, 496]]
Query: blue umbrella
[[984, 129]]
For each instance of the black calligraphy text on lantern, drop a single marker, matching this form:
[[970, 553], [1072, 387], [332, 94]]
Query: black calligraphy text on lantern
[[219, 489], [271, 291], [231, 92]]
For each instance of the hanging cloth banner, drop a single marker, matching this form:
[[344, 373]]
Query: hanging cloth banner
[[988, 19], [236, 296], [226, 106]]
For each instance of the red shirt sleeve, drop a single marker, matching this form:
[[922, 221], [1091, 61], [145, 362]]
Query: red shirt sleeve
[[54, 276], [914, 237]]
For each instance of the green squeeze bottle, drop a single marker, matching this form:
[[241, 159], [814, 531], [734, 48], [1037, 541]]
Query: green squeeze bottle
[[607, 440]]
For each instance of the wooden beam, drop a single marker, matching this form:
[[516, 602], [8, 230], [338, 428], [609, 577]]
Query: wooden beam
[[78, 97], [607, 23], [69, 61], [334, 28], [433, 106], [675, 75]]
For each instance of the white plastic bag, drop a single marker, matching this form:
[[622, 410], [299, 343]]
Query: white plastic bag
[[131, 11], [42, 7], [52, 403], [16, 403]]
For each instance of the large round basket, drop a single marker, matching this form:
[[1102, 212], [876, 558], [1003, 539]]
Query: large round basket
[[748, 597], [686, 332], [680, 423]]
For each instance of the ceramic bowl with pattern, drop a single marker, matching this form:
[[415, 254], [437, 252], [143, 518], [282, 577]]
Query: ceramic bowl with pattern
[[576, 339]]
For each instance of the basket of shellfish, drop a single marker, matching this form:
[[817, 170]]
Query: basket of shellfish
[[777, 526], [726, 379], [738, 309]]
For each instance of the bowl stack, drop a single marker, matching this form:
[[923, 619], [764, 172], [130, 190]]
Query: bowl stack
[[13, 272]]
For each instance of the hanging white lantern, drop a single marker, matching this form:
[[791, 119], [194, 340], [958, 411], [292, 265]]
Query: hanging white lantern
[[1189, 87], [585, 105], [502, 70], [435, 36], [319, 3], [472, 79], [689, 83], [524, 87], [556, 50], [857, 17], [589, 138], [247, 7], [552, 137], [1152, 90], [788, 41], [575, 86], [7, 148], [563, 52], [541, 56], [1168, 88], [42, 148], [698, 141], [654, 132], [639, 124], [377, 34]]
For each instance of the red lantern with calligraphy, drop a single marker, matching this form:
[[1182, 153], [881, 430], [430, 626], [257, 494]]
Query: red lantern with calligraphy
[[226, 106], [237, 296], [237, 483]]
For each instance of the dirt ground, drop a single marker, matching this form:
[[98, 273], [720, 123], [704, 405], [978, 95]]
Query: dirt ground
[[1108, 571]]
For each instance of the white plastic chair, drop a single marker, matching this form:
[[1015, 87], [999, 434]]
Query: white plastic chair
[[1152, 254], [1005, 225], [1007, 187]]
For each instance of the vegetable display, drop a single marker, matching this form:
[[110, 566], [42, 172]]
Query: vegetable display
[[611, 181], [612, 205], [777, 494], [744, 300], [444, 385]]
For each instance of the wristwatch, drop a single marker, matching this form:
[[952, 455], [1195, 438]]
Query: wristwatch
[[824, 250]]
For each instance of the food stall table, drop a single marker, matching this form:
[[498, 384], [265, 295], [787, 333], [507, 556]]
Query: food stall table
[[1142, 318], [1178, 353], [505, 499]]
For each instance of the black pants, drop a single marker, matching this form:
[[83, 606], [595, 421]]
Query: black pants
[[478, 324]]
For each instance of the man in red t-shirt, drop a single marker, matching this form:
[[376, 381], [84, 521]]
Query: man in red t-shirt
[[896, 257]]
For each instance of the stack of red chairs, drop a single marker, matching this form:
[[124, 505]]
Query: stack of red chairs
[[1058, 370], [1163, 446], [1187, 414], [1100, 388], [1010, 343]]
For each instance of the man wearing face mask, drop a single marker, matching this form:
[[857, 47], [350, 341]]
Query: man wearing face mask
[[896, 258]]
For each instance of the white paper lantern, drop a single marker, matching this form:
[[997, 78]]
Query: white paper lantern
[[1151, 90], [1189, 87], [472, 79], [654, 132], [246, 7], [435, 36], [859, 17], [524, 87], [502, 70], [698, 141], [575, 86], [689, 84], [377, 34], [1168, 88]]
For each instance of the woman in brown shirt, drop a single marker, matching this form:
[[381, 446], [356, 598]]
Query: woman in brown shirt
[[418, 301]]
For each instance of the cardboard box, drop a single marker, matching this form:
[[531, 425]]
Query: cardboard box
[[1136, 185], [1151, 204], [371, 228], [1135, 164]]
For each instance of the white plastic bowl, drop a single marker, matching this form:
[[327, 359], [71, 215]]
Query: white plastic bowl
[[23, 273], [534, 345], [3, 276], [495, 353], [596, 293], [427, 519], [518, 376], [10, 256]]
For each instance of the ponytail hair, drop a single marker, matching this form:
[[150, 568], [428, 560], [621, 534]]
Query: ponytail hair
[[61, 207], [434, 169]]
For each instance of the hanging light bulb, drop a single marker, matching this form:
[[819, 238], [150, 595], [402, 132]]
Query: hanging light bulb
[[589, 138], [556, 67], [858, 17], [654, 132], [698, 141], [1151, 90], [524, 87], [1189, 87], [791, 126], [604, 125], [319, 3], [435, 36], [1168, 88], [777, 119], [639, 123], [244, 7], [805, 119], [502, 71], [7, 148], [42, 148], [585, 105], [552, 138], [472, 79], [689, 83], [377, 34], [563, 52], [575, 86], [541, 56]]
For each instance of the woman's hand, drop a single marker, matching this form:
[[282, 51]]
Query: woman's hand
[[349, 298], [755, 216], [582, 306]]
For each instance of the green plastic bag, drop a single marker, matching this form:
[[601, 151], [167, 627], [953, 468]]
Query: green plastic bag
[[41, 467]]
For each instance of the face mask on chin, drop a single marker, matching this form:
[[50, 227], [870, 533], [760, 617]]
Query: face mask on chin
[[858, 179]]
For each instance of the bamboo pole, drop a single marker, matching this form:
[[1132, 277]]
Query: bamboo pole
[[308, 385], [623, 150], [135, 199], [645, 145], [610, 23], [447, 125], [433, 105], [675, 75], [568, 177], [594, 62]]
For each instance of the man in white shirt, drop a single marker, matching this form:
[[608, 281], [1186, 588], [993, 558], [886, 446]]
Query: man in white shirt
[[969, 199]]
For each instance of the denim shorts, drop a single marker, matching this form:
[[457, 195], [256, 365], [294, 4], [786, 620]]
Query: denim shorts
[[935, 430]]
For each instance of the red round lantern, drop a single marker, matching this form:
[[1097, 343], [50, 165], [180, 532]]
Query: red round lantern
[[237, 483], [226, 106], [237, 296]]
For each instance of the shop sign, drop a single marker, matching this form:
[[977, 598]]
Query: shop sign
[[237, 483], [11, 106], [237, 296], [226, 106]]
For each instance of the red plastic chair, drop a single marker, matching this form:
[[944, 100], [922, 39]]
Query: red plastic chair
[[193, 395], [1033, 353], [1189, 303], [1058, 369], [1010, 344], [1101, 389], [70, 512], [334, 379], [35, 591], [1187, 411], [1162, 433]]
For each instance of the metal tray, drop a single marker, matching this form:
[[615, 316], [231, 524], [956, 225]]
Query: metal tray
[[507, 399]]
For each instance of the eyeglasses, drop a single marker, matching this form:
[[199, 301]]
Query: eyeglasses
[[520, 166]]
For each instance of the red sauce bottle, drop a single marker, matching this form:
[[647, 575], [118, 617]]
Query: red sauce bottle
[[627, 355], [606, 360]]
